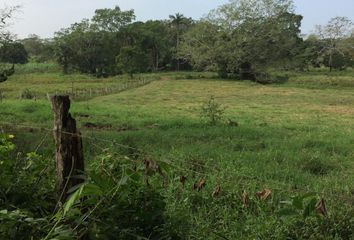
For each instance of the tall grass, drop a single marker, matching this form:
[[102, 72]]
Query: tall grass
[[37, 68]]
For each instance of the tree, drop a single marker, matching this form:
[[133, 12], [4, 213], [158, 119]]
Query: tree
[[245, 36], [91, 46], [348, 44], [337, 60], [152, 38], [39, 50], [308, 54], [132, 60], [332, 34], [200, 45], [237, 12], [6, 14], [179, 25], [13, 52], [112, 20]]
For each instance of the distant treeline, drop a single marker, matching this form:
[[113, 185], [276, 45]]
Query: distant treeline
[[241, 39]]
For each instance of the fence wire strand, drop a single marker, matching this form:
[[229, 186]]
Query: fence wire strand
[[221, 176]]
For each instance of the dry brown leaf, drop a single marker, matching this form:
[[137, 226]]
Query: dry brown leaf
[[264, 194], [199, 185], [152, 167], [216, 191], [245, 199], [147, 163], [321, 207]]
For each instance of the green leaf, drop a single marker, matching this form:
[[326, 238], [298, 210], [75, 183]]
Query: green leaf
[[298, 202], [123, 181], [92, 189], [72, 199], [310, 207], [4, 211], [74, 188]]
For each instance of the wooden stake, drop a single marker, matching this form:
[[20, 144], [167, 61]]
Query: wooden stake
[[68, 143]]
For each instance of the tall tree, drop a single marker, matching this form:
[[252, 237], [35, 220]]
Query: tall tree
[[38, 49], [132, 59], [6, 14], [245, 36], [14, 53], [179, 24], [91, 46], [200, 45], [152, 37], [332, 33], [112, 20]]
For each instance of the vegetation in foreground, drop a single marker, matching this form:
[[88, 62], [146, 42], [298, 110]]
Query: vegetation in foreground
[[257, 165], [182, 155]]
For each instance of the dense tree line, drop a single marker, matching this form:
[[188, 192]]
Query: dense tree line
[[245, 38], [111, 43], [241, 39]]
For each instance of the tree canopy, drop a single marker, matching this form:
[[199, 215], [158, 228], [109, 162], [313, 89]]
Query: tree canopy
[[336, 52], [9, 52], [244, 36], [13, 52], [241, 39]]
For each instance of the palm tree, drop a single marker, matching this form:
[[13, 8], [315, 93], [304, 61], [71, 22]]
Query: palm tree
[[177, 21]]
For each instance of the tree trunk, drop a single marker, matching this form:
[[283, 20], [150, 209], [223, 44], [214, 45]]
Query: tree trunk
[[177, 50]]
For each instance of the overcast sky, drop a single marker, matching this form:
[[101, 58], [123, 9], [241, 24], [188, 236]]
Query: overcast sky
[[44, 17]]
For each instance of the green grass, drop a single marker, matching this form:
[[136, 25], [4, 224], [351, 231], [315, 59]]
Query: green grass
[[292, 138], [37, 68], [323, 79], [40, 84]]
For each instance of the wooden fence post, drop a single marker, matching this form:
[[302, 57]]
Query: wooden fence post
[[68, 143]]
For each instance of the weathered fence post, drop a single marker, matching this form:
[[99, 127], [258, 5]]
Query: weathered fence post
[[68, 143]]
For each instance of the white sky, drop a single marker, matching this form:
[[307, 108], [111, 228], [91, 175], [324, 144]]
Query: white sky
[[44, 17]]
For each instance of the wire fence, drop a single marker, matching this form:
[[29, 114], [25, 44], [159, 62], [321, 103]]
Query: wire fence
[[85, 93], [182, 167], [93, 140]]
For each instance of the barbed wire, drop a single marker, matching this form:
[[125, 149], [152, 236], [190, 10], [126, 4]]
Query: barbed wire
[[220, 175], [114, 143], [83, 136]]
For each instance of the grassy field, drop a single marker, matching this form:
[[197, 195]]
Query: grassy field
[[293, 138]]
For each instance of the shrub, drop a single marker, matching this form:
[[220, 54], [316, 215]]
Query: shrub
[[212, 111]]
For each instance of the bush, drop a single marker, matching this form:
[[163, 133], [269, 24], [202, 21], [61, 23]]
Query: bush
[[212, 111], [115, 190]]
